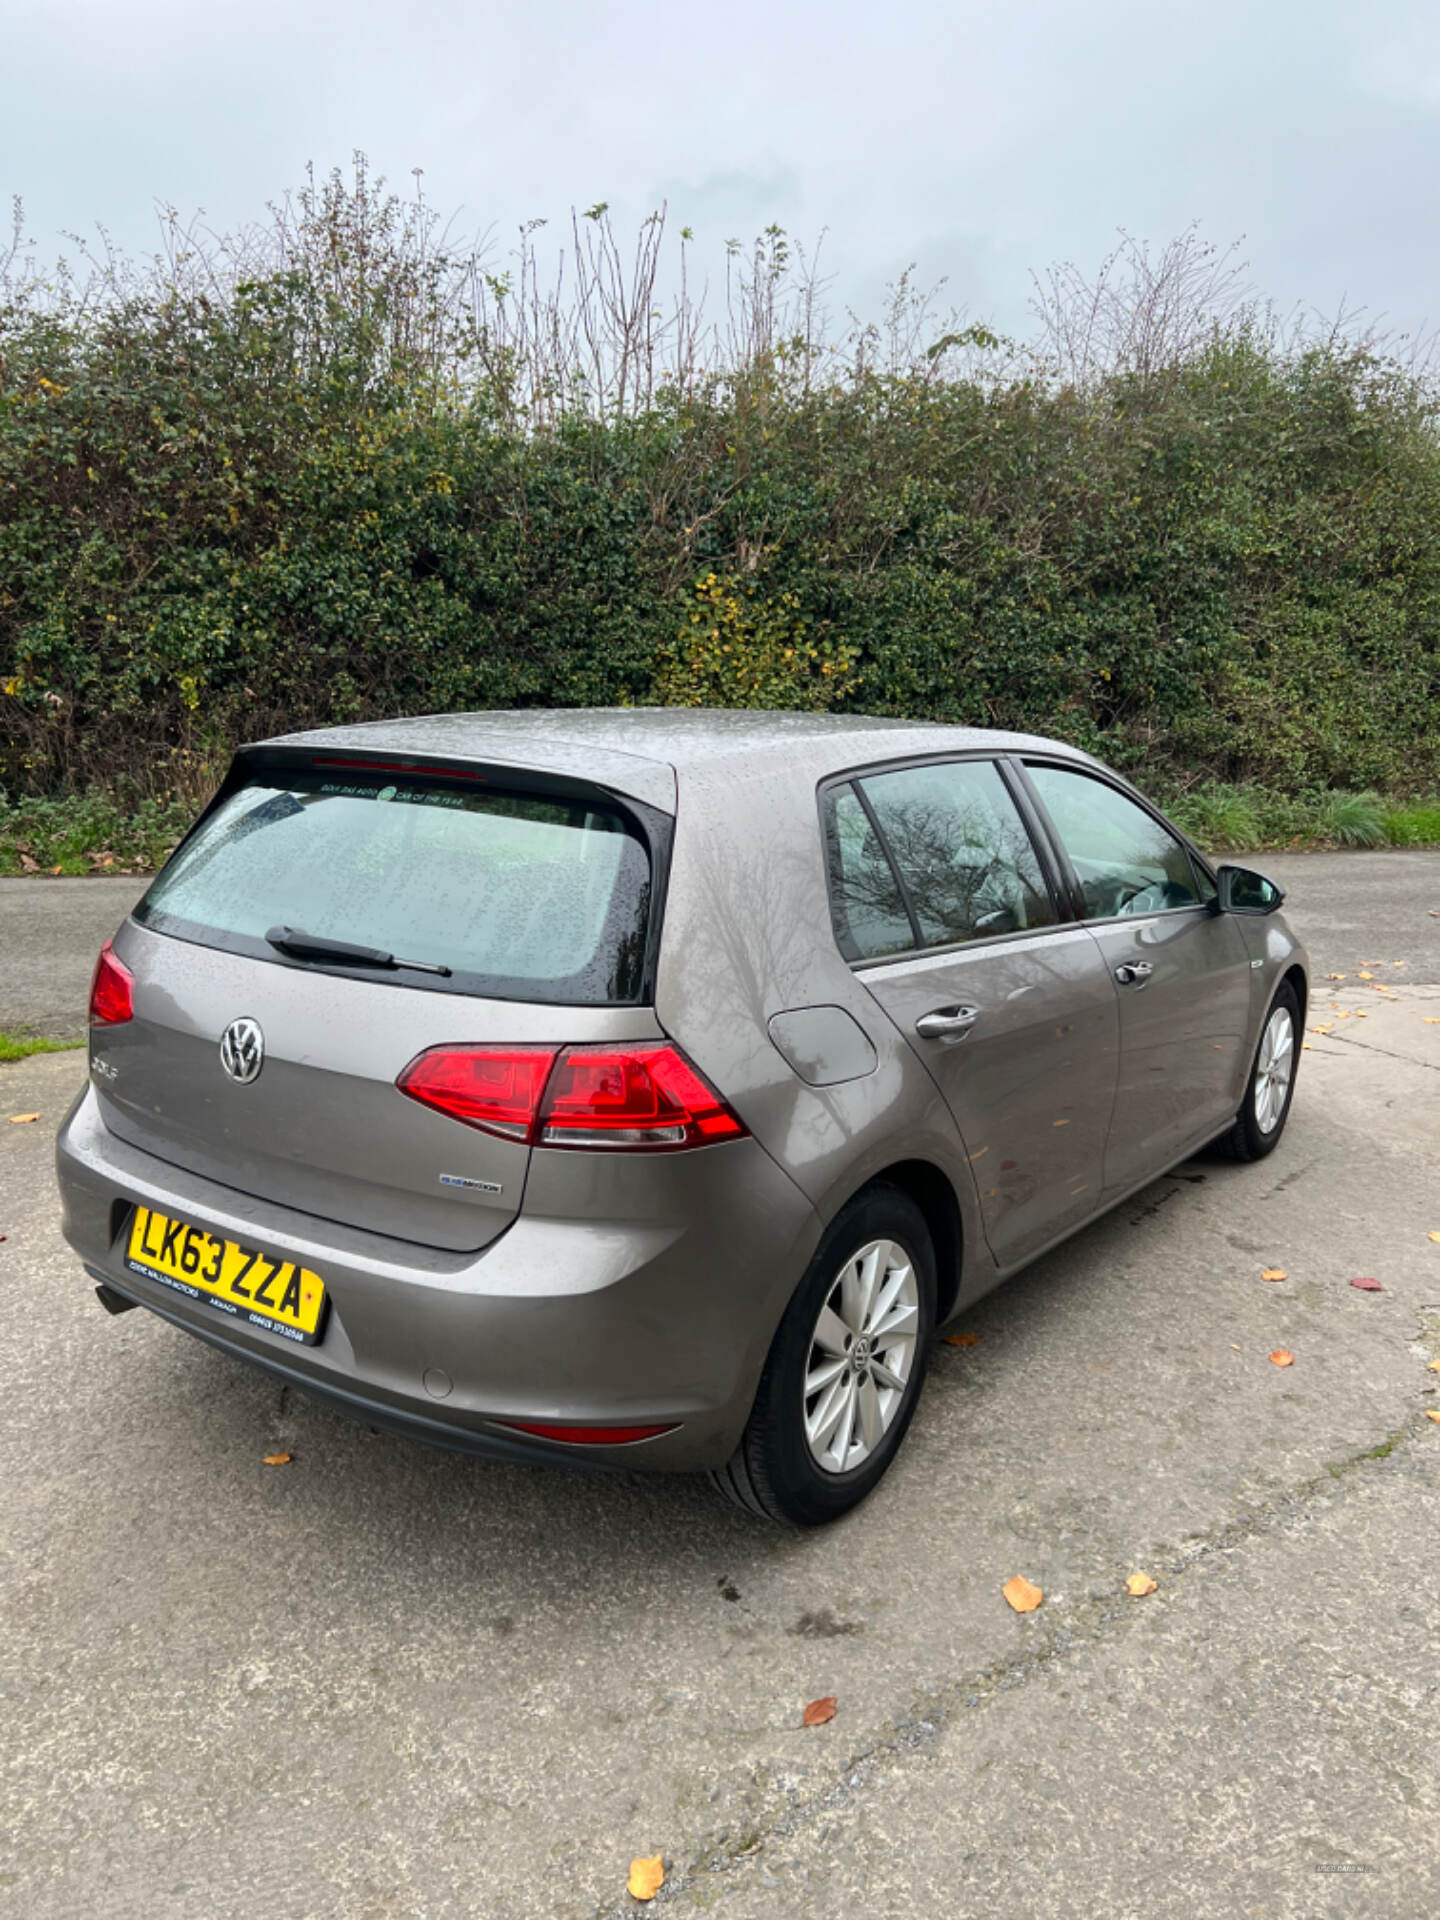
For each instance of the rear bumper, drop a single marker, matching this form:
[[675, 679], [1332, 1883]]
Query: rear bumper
[[663, 1314]]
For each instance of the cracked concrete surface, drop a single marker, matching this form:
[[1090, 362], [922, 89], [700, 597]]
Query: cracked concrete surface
[[389, 1682]]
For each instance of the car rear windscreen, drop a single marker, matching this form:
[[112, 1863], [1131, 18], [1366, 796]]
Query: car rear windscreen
[[522, 896]]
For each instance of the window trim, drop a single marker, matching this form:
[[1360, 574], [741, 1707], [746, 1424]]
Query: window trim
[[1030, 819], [1104, 778]]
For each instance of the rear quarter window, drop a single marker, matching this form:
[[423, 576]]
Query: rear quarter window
[[520, 895]]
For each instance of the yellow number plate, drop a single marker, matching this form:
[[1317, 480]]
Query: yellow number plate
[[278, 1294]]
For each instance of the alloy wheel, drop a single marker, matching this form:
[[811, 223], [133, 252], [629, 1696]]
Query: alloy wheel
[[861, 1355], [1274, 1069]]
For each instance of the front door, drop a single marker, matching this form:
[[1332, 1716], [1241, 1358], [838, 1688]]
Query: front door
[[941, 898], [1181, 969]]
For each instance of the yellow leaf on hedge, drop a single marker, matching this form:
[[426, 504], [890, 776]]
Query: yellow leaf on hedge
[[646, 1878]]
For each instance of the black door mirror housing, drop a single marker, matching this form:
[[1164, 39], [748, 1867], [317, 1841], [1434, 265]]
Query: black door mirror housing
[[1242, 890]]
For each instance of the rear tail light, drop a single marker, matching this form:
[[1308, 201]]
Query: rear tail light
[[644, 1096], [494, 1088], [111, 991]]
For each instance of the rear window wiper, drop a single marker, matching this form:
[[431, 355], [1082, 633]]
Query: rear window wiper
[[312, 946]]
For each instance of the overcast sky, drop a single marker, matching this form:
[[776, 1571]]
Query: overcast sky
[[975, 140]]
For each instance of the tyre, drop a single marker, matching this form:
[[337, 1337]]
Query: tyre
[[1256, 1129], [845, 1368]]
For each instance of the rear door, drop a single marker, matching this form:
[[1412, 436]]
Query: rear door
[[1181, 968], [947, 911], [492, 909]]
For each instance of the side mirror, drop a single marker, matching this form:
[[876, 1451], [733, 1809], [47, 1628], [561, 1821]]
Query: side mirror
[[1243, 891]]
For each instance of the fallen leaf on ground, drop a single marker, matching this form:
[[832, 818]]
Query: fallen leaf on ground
[[1435, 1236], [1364, 976], [1432, 1366], [1140, 1584], [1368, 1286], [1282, 1358], [646, 1878], [1431, 1019], [1337, 976], [1432, 1416], [1274, 1273], [1361, 1016], [1399, 963], [819, 1711], [1233, 1347], [960, 1339], [1305, 1047], [55, 870], [1023, 1597], [278, 1459], [22, 1119]]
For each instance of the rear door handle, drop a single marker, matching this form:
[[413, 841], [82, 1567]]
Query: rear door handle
[[1132, 971], [947, 1023]]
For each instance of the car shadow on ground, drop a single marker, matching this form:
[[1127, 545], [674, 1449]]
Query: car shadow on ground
[[476, 1517]]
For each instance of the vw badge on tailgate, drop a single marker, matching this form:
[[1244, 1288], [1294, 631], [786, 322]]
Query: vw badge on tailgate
[[242, 1050]]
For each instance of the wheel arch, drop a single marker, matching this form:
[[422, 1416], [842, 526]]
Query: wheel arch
[[1295, 979], [931, 1190]]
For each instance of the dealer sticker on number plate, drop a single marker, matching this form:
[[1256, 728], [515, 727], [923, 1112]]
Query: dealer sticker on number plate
[[276, 1294]]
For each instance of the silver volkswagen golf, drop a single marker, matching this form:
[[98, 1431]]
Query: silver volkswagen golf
[[646, 1087]]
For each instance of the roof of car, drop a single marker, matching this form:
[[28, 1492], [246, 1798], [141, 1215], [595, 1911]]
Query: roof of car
[[686, 738]]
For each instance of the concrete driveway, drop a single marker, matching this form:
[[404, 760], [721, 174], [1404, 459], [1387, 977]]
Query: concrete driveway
[[383, 1681]]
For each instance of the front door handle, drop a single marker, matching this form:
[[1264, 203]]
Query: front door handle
[[947, 1023], [1132, 971]]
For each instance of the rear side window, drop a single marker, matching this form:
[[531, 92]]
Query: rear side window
[[521, 896], [952, 860], [962, 850], [865, 897]]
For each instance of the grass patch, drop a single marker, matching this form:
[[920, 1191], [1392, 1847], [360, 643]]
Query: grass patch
[[87, 833], [1240, 819], [19, 1046]]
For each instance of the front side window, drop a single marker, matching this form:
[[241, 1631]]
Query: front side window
[[519, 896], [1125, 860]]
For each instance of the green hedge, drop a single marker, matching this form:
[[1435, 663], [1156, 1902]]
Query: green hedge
[[219, 519]]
